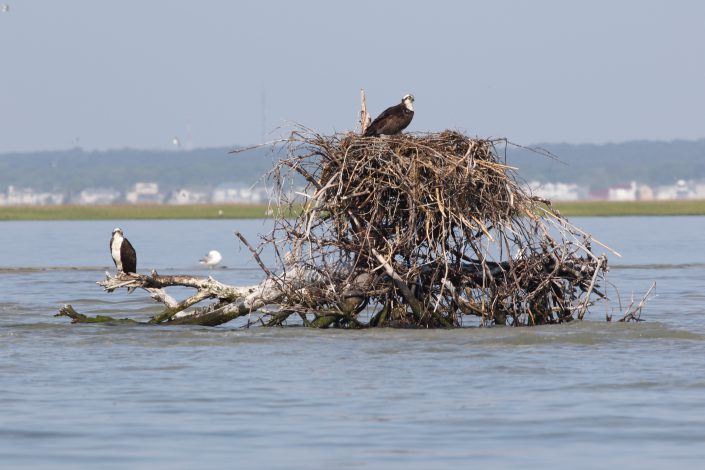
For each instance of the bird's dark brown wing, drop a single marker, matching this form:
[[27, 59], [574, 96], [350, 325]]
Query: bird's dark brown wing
[[397, 123], [129, 257], [375, 128]]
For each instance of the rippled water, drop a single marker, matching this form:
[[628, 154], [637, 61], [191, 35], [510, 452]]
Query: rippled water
[[586, 395]]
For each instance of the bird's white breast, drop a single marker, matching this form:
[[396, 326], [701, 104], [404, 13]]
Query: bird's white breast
[[115, 250]]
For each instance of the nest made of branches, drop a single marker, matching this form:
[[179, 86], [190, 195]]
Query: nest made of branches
[[424, 230]]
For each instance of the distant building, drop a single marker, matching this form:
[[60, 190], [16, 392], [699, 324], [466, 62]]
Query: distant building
[[188, 196], [699, 190], [238, 193], [598, 194], [622, 192], [145, 193], [558, 191], [97, 196], [226, 193], [680, 190], [665, 193], [645, 193], [20, 196], [28, 197]]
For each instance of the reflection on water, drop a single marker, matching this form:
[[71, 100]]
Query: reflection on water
[[135, 396]]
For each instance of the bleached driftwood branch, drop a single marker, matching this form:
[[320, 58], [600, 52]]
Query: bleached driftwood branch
[[238, 300], [155, 282], [230, 303]]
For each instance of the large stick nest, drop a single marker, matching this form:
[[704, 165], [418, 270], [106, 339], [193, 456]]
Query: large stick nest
[[423, 230]]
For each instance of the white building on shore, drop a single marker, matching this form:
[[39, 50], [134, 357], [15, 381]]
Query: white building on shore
[[145, 193], [623, 192], [97, 196], [229, 193], [558, 191], [188, 196], [680, 190], [29, 197]]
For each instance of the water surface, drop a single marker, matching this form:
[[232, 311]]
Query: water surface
[[592, 394]]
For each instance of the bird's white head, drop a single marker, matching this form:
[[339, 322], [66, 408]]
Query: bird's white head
[[117, 231], [408, 101]]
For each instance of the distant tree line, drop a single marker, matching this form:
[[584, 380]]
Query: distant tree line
[[73, 170], [601, 166], [597, 166]]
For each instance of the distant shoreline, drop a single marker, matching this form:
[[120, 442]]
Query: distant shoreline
[[135, 212], [259, 211], [630, 208]]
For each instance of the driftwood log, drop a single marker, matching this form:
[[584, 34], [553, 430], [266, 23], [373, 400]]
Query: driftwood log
[[230, 302]]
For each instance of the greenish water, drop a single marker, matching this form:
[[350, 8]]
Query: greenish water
[[586, 395]]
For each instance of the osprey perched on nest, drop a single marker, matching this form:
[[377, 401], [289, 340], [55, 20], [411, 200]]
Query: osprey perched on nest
[[124, 255], [393, 120]]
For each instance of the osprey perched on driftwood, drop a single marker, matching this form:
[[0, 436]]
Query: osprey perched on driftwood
[[393, 120], [124, 255]]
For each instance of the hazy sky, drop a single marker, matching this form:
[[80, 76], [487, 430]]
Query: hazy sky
[[134, 73]]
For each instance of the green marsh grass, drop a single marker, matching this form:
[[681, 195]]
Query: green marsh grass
[[631, 208], [255, 211], [139, 211]]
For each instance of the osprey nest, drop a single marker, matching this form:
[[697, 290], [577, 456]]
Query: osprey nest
[[422, 230]]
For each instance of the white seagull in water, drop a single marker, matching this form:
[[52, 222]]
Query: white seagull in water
[[212, 258]]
